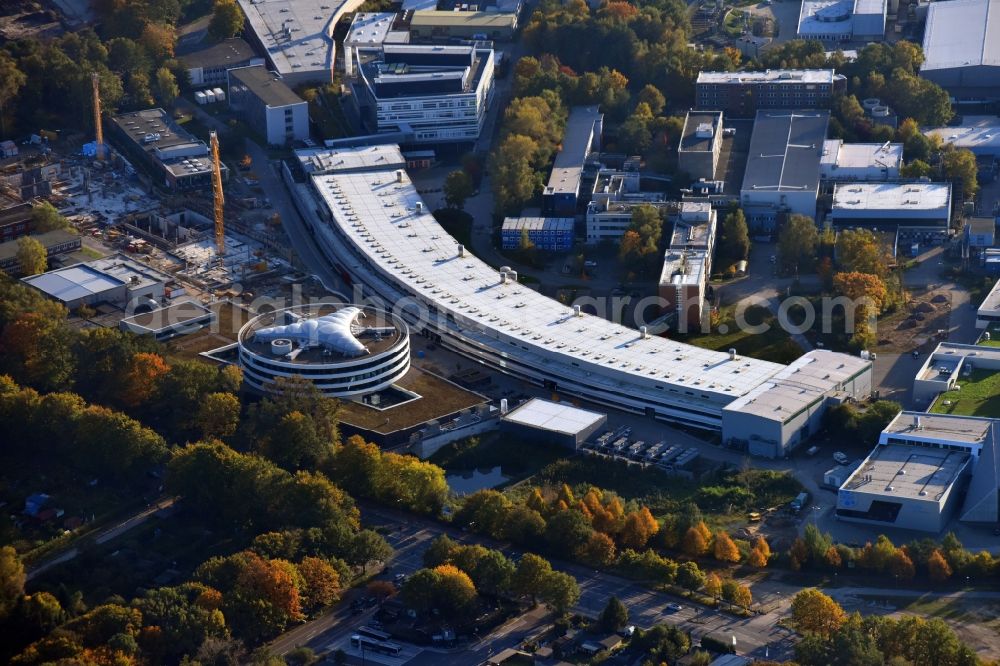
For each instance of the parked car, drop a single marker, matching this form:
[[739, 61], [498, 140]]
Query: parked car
[[840, 457], [673, 608]]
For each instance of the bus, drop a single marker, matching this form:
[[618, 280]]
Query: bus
[[374, 634], [366, 644]]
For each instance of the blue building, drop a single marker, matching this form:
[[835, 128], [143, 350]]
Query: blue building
[[553, 234]]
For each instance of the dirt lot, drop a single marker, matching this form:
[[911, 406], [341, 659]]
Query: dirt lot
[[915, 325]]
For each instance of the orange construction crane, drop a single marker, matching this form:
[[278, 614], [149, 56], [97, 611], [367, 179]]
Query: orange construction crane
[[95, 80], [220, 228]]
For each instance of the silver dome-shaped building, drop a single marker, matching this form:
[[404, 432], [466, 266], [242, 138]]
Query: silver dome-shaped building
[[343, 350]]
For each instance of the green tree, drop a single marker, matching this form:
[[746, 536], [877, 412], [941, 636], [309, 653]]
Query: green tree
[[797, 244], [368, 546], [12, 80], [861, 251], [219, 415], [915, 169], [165, 86], [226, 21], [31, 256], [690, 577], [734, 243], [457, 188], [529, 577], [560, 591], [663, 643], [959, 165], [653, 98], [566, 532], [12, 579], [514, 180], [45, 217], [614, 616]]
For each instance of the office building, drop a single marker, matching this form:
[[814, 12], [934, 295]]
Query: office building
[[170, 321], [608, 219], [773, 418], [962, 48], [891, 205], [440, 24], [341, 350], [868, 162], [926, 469], [687, 264], [429, 93], [207, 65], [582, 135], [56, 244], [782, 173], [375, 229], [116, 280], [296, 36], [552, 234], [552, 423], [15, 221], [842, 20], [174, 159], [947, 364], [980, 134], [700, 144], [742, 94], [262, 100], [368, 32]]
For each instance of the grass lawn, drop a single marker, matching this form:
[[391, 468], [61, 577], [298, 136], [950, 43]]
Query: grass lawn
[[772, 345], [732, 25], [979, 396]]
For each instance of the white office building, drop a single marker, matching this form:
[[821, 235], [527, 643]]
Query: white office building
[[890, 205], [368, 32], [264, 102], [842, 20], [375, 228], [428, 93], [860, 161]]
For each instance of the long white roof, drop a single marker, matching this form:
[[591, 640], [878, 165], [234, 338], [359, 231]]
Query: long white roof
[[962, 33], [377, 211], [892, 196]]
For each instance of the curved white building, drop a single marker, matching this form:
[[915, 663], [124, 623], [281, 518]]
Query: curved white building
[[343, 350], [369, 220]]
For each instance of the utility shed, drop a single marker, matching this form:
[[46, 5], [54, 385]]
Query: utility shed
[[555, 422]]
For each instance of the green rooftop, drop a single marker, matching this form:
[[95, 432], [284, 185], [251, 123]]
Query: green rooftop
[[979, 396]]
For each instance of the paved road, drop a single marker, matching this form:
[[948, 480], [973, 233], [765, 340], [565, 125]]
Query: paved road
[[411, 535], [103, 536]]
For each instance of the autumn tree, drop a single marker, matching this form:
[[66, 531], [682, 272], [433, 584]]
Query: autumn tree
[[696, 540], [938, 569], [321, 583], [736, 593], [219, 415], [445, 587], [861, 251], [690, 577], [959, 165], [514, 180], [734, 241], [713, 585], [724, 549], [226, 21], [32, 258], [530, 575], [640, 526], [653, 98], [142, 379], [815, 613], [868, 293], [599, 551], [901, 566], [759, 554], [12, 580]]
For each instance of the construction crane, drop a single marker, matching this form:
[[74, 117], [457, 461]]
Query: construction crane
[[95, 81], [220, 229]]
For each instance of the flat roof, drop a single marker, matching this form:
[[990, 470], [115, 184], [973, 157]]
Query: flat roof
[[376, 210], [554, 417], [769, 76], [171, 315], [369, 28], [898, 470], [991, 304], [691, 232], [785, 151], [297, 34], [870, 6], [73, 282], [941, 427], [797, 386], [49, 239], [137, 124], [367, 158], [266, 86], [539, 223], [861, 155], [826, 17], [693, 122], [892, 196], [981, 225], [567, 169], [962, 33], [683, 267], [484, 20], [975, 131], [227, 53]]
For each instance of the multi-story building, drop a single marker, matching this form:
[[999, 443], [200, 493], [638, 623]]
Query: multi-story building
[[743, 93], [843, 20], [782, 173], [687, 263], [553, 234], [175, 159], [429, 93], [609, 218], [264, 102], [15, 221], [368, 32], [700, 144], [372, 224], [582, 134], [208, 65], [891, 205]]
